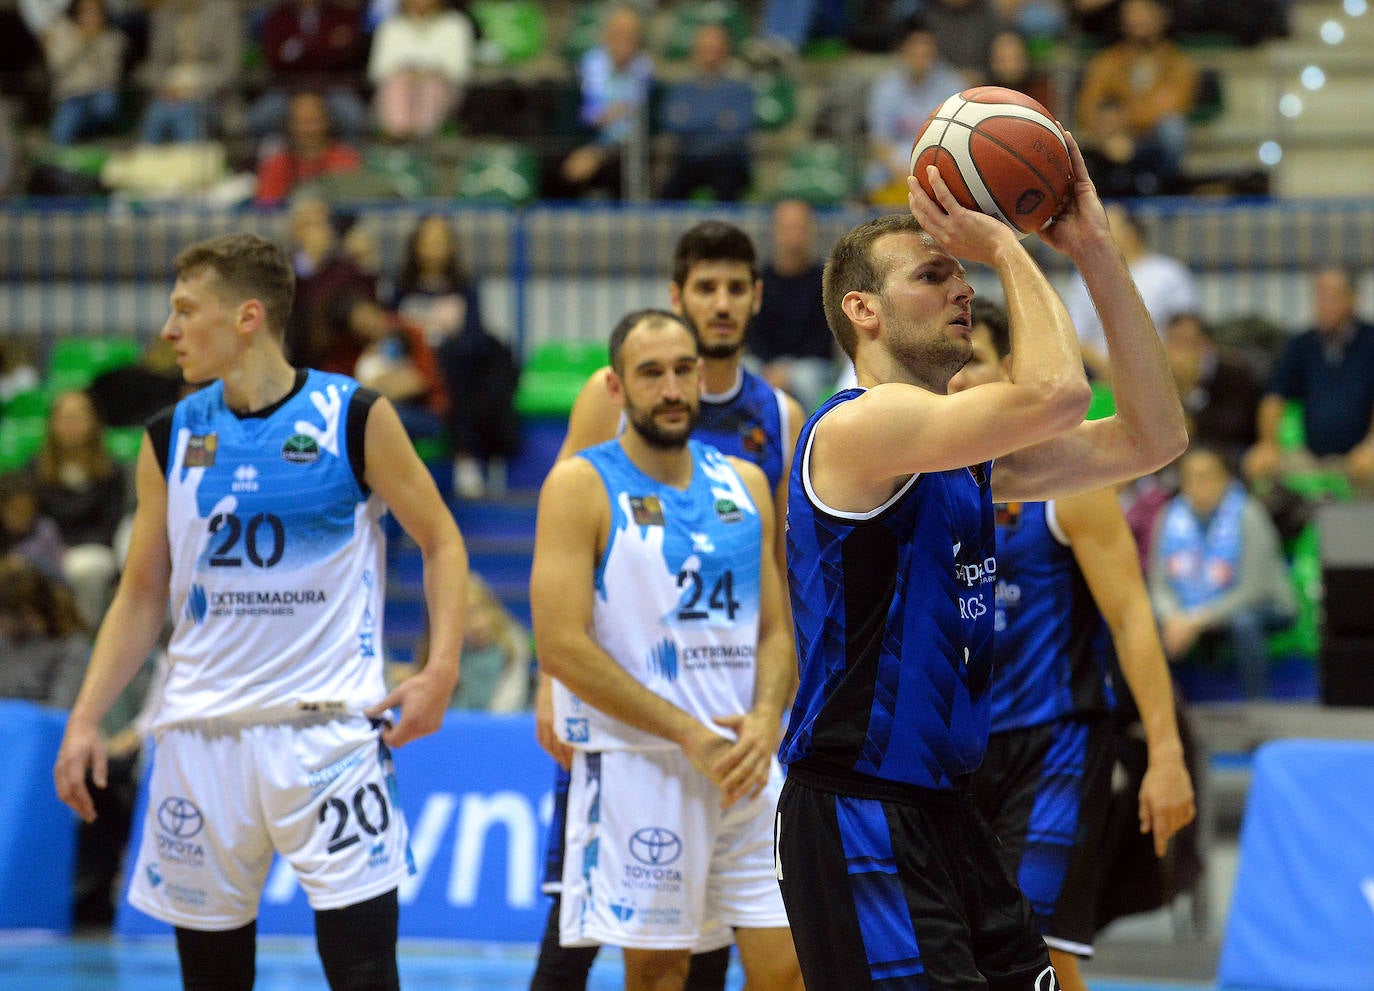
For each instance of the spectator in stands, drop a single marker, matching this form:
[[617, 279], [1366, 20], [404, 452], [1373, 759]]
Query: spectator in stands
[[1135, 98], [1165, 284], [194, 58], [17, 371], [324, 272], [710, 115], [85, 56], [964, 30], [83, 490], [24, 531], [43, 648], [318, 46], [496, 674], [394, 360], [614, 77], [898, 105], [1218, 386], [789, 334], [309, 152], [131, 395], [436, 293], [787, 24], [1010, 65], [421, 58], [1330, 370], [1217, 568]]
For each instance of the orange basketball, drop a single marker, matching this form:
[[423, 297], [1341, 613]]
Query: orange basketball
[[1000, 152]]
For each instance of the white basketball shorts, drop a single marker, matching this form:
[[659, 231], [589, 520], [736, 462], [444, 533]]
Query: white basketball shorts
[[223, 797], [653, 861]]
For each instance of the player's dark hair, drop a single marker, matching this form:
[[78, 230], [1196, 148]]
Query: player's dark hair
[[246, 267], [994, 318], [631, 320], [852, 268], [713, 241]]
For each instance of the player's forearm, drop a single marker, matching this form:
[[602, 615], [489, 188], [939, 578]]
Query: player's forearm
[[1147, 404], [594, 676], [1147, 675], [1044, 348], [445, 581], [775, 675]]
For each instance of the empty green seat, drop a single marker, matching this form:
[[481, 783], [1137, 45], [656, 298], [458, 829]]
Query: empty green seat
[[33, 403], [775, 100], [504, 173], [516, 29], [1102, 404], [690, 16], [76, 361], [1303, 637], [553, 375], [817, 173], [583, 33], [122, 443], [20, 439]]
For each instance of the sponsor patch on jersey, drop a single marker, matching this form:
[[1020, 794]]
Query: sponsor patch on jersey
[[1008, 514], [646, 510], [300, 449], [754, 439], [200, 450], [728, 511], [979, 474]]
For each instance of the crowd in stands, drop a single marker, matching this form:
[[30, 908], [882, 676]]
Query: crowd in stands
[[298, 90]]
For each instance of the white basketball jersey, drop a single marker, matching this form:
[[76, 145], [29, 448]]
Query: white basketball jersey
[[677, 595], [278, 560]]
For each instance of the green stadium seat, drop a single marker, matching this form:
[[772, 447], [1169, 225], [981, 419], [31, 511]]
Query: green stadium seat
[[1292, 433], [516, 28], [1102, 404], [33, 403], [387, 173], [20, 439], [775, 100], [553, 375], [583, 33], [76, 361], [504, 173], [122, 443], [688, 17], [817, 172], [1303, 637]]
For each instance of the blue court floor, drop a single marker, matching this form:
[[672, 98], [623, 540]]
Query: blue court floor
[[85, 964]]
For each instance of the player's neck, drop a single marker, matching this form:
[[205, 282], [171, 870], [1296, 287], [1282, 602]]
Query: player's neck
[[719, 375], [258, 379], [670, 465]]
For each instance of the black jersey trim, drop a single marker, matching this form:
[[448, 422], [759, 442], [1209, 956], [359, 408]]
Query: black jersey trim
[[359, 406], [159, 427]]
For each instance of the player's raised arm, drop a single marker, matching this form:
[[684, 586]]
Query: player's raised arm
[[1148, 430]]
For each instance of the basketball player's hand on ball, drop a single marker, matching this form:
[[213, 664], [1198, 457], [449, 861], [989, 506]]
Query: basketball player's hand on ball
[[962, 232], [1166, 799], [1083, 221]]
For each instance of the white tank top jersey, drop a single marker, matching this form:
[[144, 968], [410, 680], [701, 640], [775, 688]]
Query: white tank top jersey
[[278, 560], [677, 596]]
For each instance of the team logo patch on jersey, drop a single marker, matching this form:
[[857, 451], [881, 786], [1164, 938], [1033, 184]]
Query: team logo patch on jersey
[[728, 511], [200, 450], [646, 510], [1008, 514], [979, 474], [300, 449], [754, 439]]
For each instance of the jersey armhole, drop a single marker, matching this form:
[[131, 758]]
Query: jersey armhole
[[359, 406], [837, 514], [1052, 522], [159, 429]]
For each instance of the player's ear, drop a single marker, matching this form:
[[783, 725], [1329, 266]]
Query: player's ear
[[615, 388], [250, 316], [859, 307], [675, 297]]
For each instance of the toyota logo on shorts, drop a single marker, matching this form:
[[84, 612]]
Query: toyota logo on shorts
[[655, 846], [180, 817]]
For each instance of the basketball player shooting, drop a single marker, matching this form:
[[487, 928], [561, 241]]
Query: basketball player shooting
[[887, 871]]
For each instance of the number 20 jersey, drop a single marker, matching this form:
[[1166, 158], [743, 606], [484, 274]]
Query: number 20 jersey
[[278, 558], [676, 601]]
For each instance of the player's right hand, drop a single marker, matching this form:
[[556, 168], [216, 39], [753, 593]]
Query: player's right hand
[[82, 751], [962, 232], [543, 724]]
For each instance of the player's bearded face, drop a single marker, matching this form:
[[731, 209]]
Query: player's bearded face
[[719, 299], [666, 424]]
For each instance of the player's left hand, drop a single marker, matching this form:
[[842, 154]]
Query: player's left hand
[[1083, 220], [1166, 800], [422, 699], [743, 770]]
